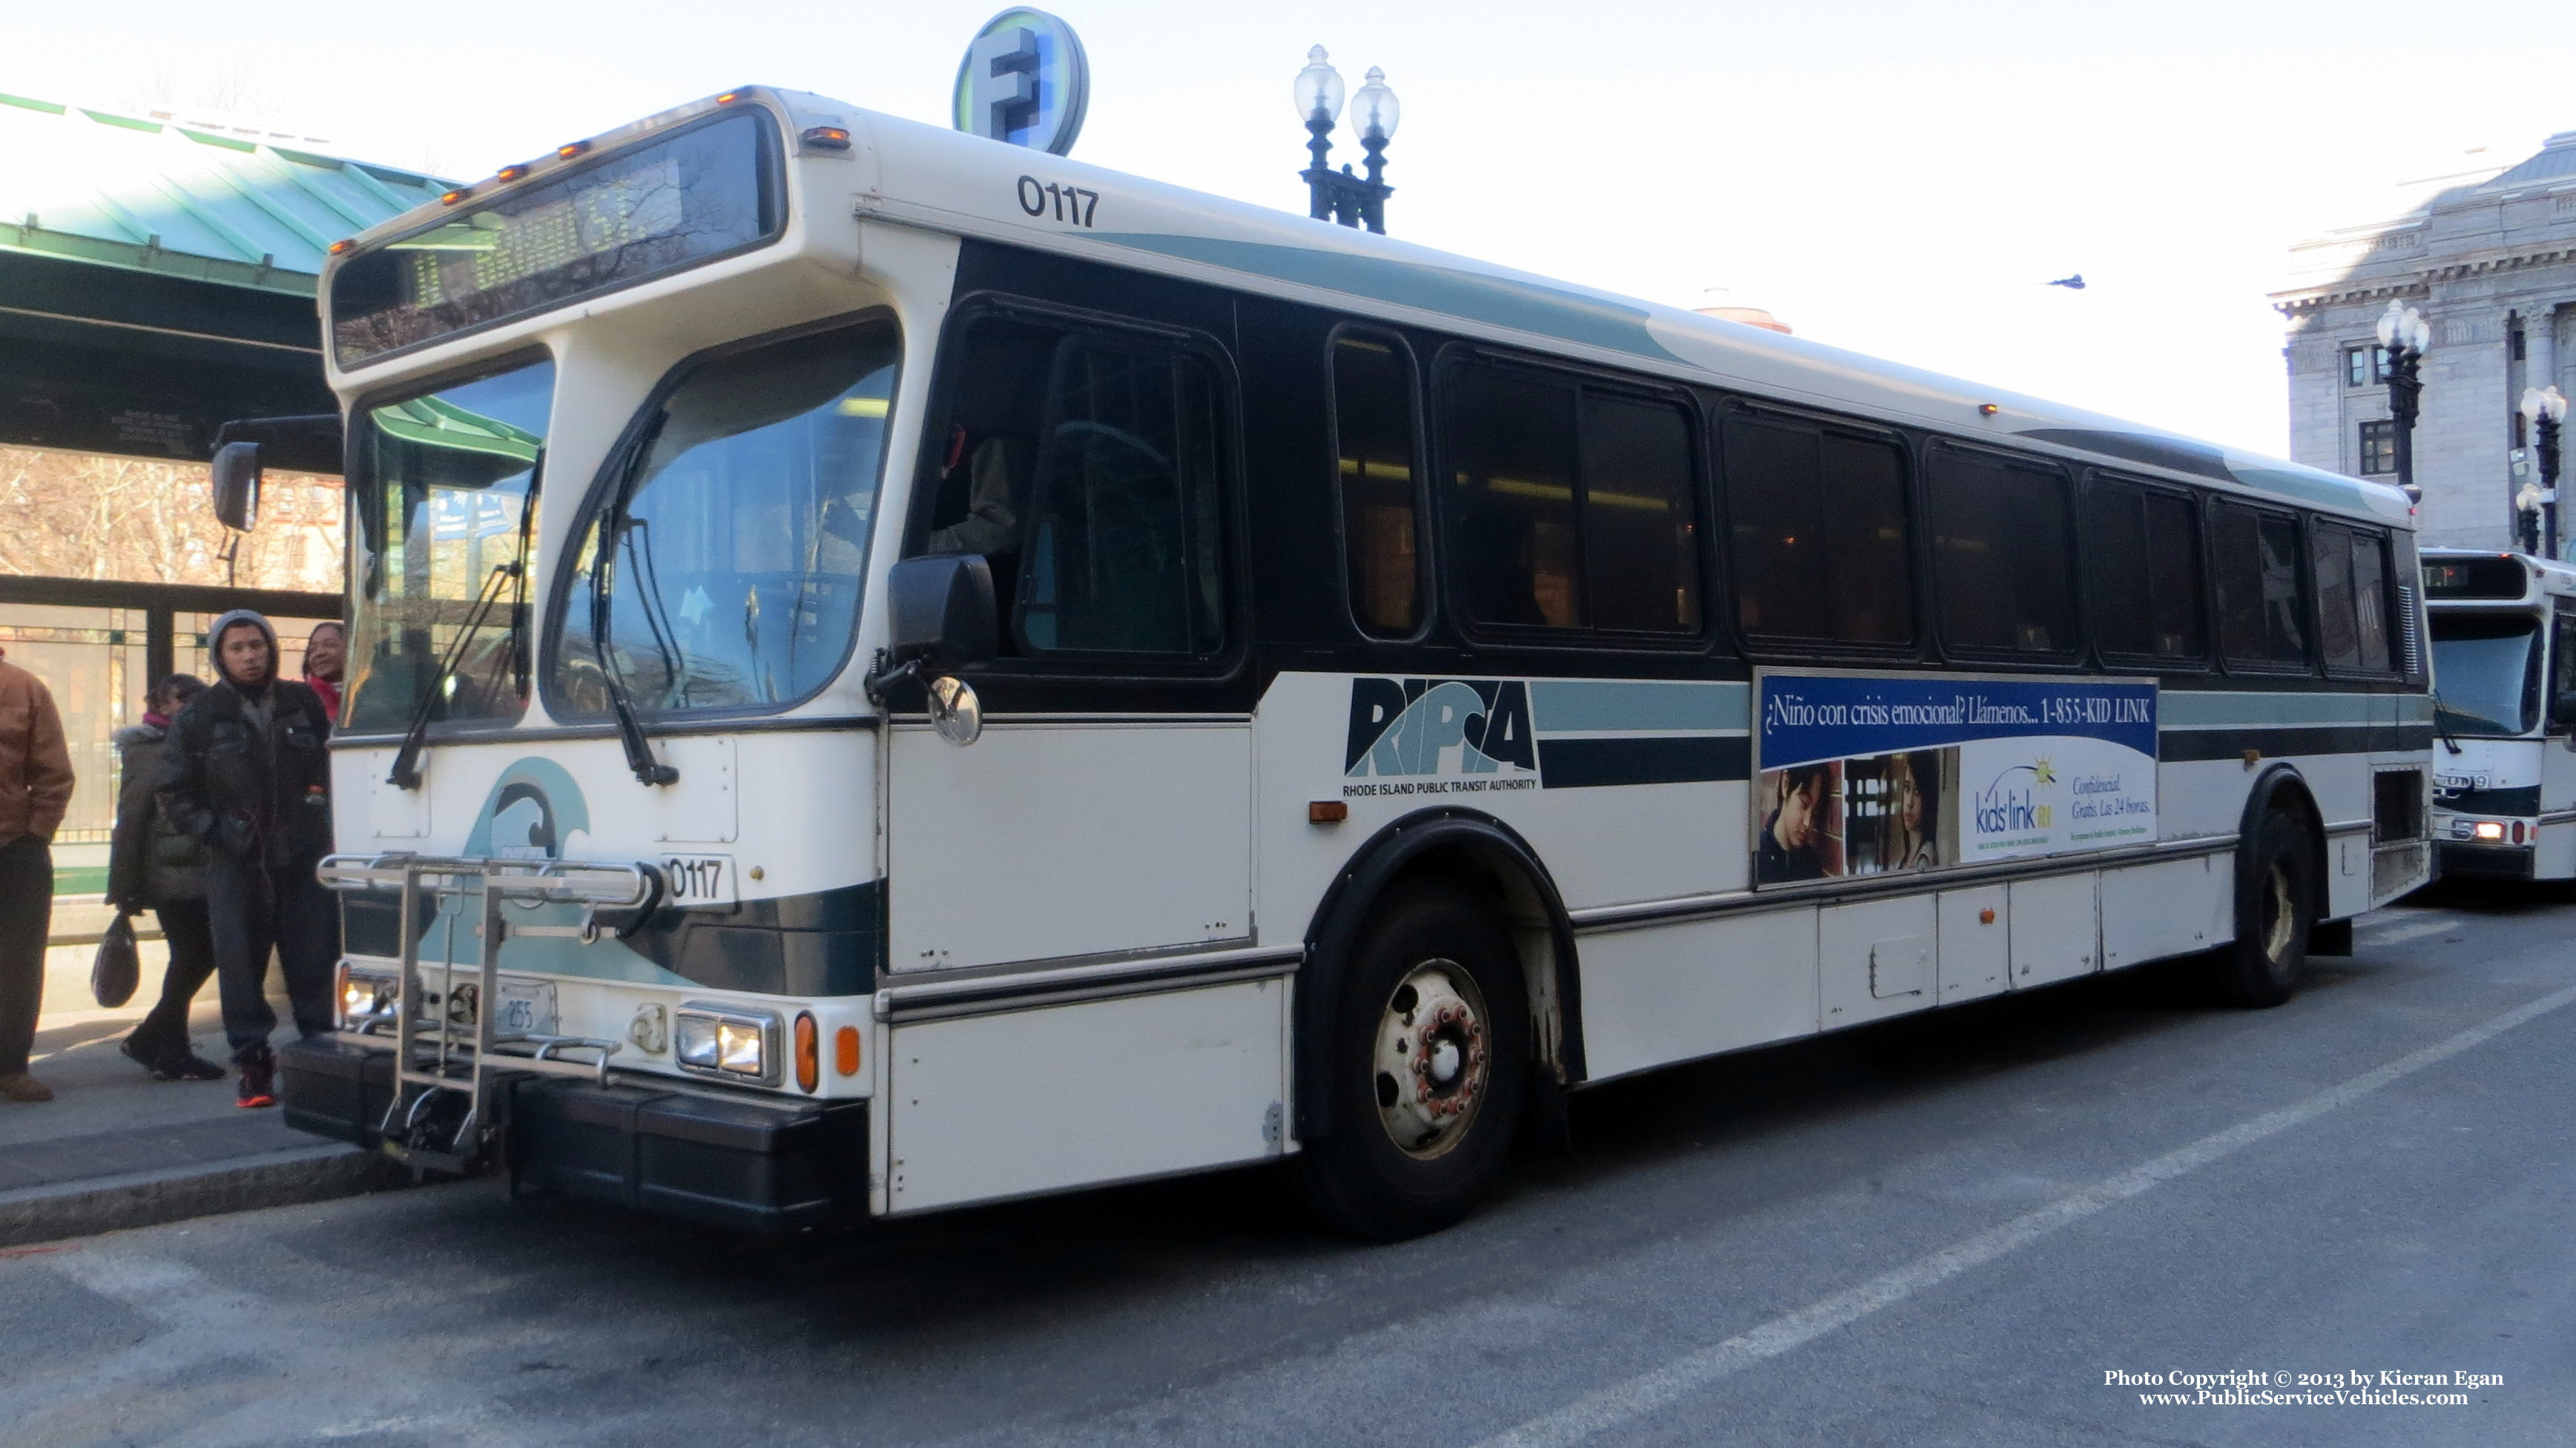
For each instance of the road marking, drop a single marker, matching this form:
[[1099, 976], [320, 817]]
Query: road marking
[[1647, 1392], [2413, 930]]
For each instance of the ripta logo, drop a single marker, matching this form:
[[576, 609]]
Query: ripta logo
[[1416, 727], [2004, 810]]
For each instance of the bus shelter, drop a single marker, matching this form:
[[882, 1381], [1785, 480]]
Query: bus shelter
[[157, 280]]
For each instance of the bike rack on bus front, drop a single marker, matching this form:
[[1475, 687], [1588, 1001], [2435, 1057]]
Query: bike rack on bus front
[[436, 1053]]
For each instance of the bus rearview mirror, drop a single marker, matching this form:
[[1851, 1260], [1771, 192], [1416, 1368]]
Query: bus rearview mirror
[[237, 485], [940, 611]]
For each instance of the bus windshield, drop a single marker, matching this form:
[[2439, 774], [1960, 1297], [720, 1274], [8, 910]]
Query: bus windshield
[[2486, 672], [445, 491]]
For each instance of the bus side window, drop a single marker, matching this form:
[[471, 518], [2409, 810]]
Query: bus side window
[[1373, 433], [1818, 535], [2562, 659], [2256, 556], [2338, 624], [2370, 602], [1999, 539], [1574, 507], [2143, 552]]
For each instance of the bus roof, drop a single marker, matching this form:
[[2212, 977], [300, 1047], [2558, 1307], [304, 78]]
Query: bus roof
[[945, 180]]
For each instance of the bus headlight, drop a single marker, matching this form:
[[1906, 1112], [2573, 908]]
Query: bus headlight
[[363, 996], [723, 1041]]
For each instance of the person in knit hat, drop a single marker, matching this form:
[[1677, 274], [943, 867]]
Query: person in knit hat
[[246, 771]]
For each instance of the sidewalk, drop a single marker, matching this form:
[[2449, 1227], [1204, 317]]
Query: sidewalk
[[116, 1149]]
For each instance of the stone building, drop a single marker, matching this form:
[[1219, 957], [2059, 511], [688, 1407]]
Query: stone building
[[2489, 258]]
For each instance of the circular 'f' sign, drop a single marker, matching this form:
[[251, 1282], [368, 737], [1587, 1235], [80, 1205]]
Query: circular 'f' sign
[[1025, 81]]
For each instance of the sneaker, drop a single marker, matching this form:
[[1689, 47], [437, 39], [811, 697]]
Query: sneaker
[[258, 1081], [23, 1087], [134, 1050], [187, 1065]]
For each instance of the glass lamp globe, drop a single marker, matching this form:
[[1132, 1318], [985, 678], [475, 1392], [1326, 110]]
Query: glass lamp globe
[[1319, 88], [2389, 322], [1375, 109]]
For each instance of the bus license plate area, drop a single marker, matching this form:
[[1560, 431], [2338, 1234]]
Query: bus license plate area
[[700, 879], [527, 1008]]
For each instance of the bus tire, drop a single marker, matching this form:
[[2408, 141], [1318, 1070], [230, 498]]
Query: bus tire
[[2276, 905], [1430, 1055]]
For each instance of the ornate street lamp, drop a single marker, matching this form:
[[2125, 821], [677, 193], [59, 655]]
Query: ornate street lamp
[[2545, 408], [2406, 336], [1338, 195]]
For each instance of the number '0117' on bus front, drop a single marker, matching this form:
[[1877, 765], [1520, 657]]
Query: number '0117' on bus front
[[699, 879]]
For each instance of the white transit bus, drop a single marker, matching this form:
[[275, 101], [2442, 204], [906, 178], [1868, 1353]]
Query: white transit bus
[[891, 671], [2504, 654]]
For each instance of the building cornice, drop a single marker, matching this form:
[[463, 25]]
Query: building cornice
[[2417, 282]]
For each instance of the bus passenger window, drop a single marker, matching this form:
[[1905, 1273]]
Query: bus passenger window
[[1999, 540], [2370, 602], [1571, 508], [1373, 430], [1640, 519], [2143, 552], [2338, 627], [2256, 556], [1819, 535], [1511, 449]]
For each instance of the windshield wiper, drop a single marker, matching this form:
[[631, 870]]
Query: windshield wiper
[[630, 730], [2441, 730], [406, 770]]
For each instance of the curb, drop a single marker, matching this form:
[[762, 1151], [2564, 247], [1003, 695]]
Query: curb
[[174, 1194]]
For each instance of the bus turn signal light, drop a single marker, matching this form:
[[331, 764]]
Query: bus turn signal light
[[829, 138], [845, 1050], [809, 1053]]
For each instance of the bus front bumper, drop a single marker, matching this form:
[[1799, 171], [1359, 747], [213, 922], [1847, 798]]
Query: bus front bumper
[[743, 1162], [2486, 862]]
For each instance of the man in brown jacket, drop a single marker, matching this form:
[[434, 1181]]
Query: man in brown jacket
[[35, 788]]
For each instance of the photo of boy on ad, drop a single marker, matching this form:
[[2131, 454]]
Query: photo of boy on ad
[[1801, 835]]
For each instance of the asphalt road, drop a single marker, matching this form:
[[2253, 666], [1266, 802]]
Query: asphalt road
[[1949, 1230]]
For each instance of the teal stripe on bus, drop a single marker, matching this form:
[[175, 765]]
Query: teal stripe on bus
[[1599, 706]]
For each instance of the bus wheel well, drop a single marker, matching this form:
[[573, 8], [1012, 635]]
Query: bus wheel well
[[1485, 861], [2282, 790]]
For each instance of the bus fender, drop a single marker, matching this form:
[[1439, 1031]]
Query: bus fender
[[2281, 786], [1491, 856]]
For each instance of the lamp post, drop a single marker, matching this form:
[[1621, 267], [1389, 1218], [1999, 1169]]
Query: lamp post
[[1338, 195], [2545, 408], [2405, 334]]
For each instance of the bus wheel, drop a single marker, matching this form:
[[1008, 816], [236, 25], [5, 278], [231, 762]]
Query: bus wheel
[[1429, 1054], [2276, 901]]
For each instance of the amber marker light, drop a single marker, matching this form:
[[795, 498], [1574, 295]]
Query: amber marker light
[[1987, 409], [513, 173], [728, 98], [341, 245], [1326, 812], [452, 197], [809, 1053], [829, 138], [571, 149], [845, 1050]]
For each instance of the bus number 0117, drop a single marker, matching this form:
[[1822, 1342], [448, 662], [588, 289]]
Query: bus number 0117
[[1070, 203]]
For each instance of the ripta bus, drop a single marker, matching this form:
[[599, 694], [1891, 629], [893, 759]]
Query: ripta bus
[[890, 671], [2504, 654]]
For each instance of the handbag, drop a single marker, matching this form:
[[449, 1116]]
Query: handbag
[[115, 971]]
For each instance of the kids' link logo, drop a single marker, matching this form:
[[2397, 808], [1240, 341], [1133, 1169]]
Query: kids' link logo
[[2003, 809], [1415, 727]]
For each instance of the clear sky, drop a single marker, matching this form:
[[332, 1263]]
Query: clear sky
[[1896, 178]]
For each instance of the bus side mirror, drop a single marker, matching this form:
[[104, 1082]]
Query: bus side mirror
[[237, 485], [939, 611]]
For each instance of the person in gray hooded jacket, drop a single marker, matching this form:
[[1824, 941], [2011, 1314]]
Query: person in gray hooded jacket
[[152, 866], [247, 772]]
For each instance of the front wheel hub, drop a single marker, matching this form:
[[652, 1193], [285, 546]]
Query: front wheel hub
[[1433, 1059]]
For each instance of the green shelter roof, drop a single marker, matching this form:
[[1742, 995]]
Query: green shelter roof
[[182, 200]]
